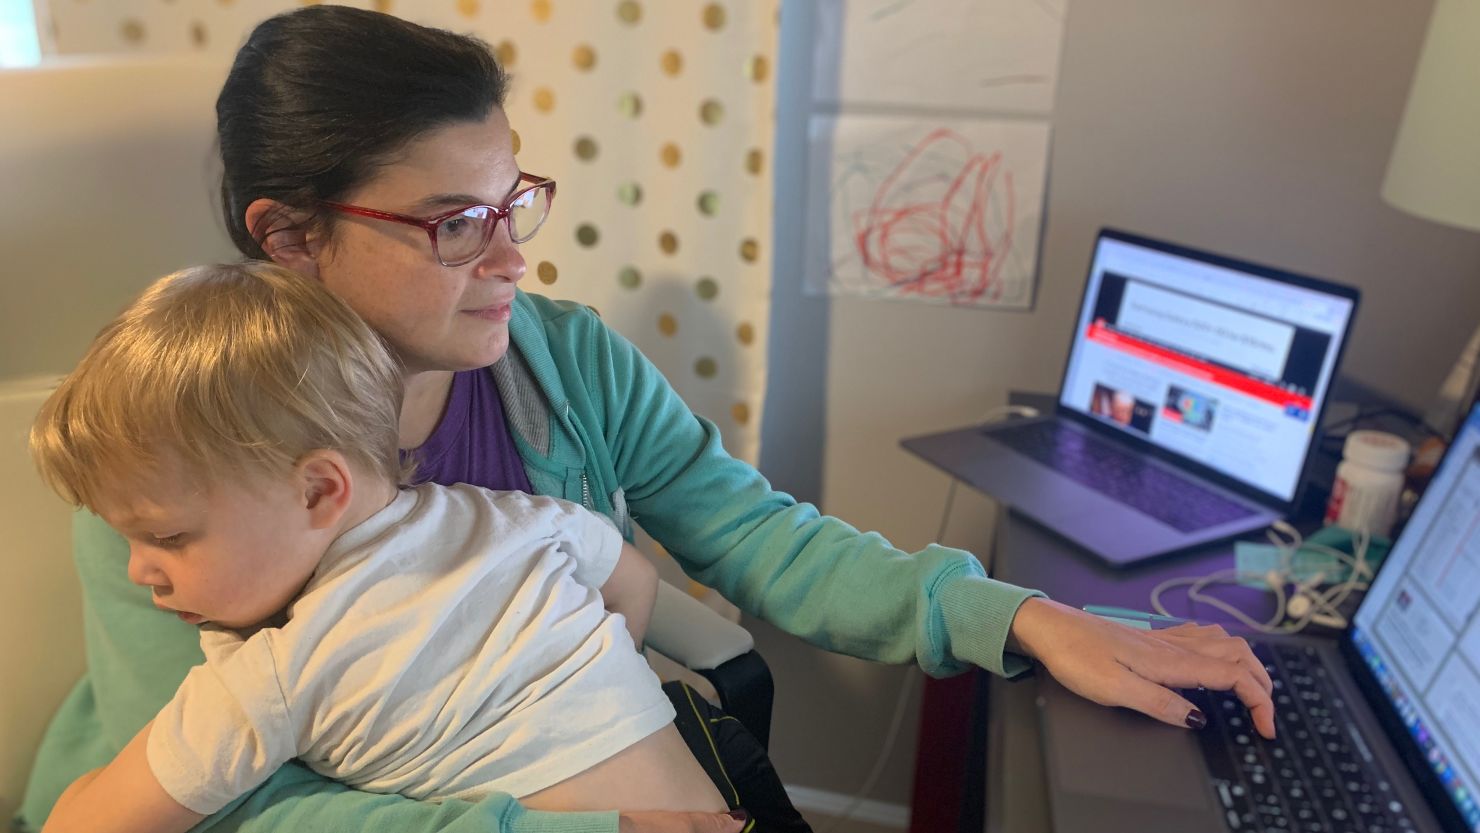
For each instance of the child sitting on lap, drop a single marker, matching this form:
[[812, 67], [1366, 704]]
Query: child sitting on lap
[[238, 425]]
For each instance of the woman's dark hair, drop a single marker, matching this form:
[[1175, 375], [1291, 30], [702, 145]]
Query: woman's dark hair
[[318, 98]]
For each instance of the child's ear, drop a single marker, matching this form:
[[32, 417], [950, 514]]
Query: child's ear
[[327, 487], [283, 234]]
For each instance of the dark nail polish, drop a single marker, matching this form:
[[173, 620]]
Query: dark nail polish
[[1196, 719], [739, 815]]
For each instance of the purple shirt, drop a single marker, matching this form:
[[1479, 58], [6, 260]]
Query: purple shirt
[[472, 443]]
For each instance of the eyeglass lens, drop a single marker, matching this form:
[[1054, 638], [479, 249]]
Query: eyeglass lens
[[464, 236]]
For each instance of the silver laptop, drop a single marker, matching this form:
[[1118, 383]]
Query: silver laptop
[[1377, 731], [1188, 410]]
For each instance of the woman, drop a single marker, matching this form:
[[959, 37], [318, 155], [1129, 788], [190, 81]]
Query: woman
[[374, 155]]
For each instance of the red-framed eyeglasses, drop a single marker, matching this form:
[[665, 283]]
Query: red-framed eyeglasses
[[459, 236]]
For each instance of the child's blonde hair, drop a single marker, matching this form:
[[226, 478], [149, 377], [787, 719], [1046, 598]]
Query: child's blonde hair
[[234, 369]]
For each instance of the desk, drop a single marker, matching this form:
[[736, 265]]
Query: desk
[[1026, 554]]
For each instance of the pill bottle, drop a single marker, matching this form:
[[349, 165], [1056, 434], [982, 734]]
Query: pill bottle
[[1369, 481]]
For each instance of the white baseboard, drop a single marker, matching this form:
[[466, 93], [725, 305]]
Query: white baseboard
[[832, 804]]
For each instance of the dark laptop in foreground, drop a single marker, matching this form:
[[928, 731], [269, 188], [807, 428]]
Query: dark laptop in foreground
[[1187, 412], [1377, 731]]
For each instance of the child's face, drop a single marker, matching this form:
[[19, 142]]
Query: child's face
[[233, 553]]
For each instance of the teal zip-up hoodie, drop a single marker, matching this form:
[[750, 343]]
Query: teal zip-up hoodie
[[597, 424]]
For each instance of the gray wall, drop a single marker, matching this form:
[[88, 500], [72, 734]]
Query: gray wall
[[1257, 128]]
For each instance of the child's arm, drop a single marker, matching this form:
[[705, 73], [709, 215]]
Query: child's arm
[[631, 591], [122, 797]]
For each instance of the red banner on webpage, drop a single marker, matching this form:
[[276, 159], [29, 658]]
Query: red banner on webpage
[[1220, 376]]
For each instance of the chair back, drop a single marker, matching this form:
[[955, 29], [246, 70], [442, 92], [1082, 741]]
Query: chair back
[[40, 603]]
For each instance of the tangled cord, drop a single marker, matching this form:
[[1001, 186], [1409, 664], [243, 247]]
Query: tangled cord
[[1306, 605]]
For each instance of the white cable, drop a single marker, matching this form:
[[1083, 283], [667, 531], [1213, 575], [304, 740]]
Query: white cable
[[913, 673], [1320, 607]]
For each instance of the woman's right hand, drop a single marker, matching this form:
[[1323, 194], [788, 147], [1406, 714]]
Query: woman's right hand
[[659, 821]]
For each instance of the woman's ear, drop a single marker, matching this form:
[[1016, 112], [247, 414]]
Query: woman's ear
[[283, 234], [327, 487]]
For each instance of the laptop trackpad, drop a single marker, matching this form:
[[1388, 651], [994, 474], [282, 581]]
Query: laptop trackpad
[[1113, 769]]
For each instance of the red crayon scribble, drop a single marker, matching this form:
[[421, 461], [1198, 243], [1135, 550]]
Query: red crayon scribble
[[925, 241]]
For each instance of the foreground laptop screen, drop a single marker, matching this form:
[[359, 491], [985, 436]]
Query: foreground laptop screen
[[1418, 630], [1224, 364]]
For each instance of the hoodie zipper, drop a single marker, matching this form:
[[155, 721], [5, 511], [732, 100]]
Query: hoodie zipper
[[586, 500]]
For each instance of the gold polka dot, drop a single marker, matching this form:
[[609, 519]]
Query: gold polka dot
[[224, 2], [630, 105], [382, 6], [671, 155], [749, 250], [745, 333], [587, 235], [706, 288], [667, 324], [132, 31], [584, 57], [714, 16], [467, 8], [515, 140], [711, 112], [540, 10], [740, 412], [506, 53], [755, 160], [629, 193], [547, 272], [668, 242], [198, 33], [708, 203], [544, 99], [706, 367], [759, 69], [629, 277], [672, 62], [629, 11], [586, 148]]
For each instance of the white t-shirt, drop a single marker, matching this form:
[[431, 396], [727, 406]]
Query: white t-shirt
[[452, 645]]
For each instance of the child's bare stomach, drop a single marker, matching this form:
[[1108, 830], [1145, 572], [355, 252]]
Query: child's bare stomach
[[656, 773]]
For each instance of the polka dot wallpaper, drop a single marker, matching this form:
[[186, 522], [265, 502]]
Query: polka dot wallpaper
[[656, 119]]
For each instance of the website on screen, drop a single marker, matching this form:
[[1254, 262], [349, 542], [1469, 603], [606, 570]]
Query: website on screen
[[1225, 367]]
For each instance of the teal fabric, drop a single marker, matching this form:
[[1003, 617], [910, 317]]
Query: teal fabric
[[618, 434]]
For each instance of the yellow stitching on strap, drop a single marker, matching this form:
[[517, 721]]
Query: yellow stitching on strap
[[687, 692]]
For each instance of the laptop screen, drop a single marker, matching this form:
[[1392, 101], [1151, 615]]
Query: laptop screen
[[1418, 628], [1224, 363]]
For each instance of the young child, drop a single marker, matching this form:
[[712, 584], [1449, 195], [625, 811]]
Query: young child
[[238, 425]]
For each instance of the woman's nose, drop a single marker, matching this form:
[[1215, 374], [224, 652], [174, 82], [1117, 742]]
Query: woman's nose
[[502, 258]]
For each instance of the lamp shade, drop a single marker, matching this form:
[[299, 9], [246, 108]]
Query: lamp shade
[[1434, 171]]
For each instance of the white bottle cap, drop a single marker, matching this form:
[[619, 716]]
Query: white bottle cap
[[1376, 449]]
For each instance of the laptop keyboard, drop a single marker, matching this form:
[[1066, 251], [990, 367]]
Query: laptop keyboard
[[1117, 473], [1318, 775]]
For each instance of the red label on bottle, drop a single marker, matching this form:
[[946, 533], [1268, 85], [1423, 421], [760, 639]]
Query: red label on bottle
[[1338, 497]]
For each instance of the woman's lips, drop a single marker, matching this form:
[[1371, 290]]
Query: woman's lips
[[499, 312]]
